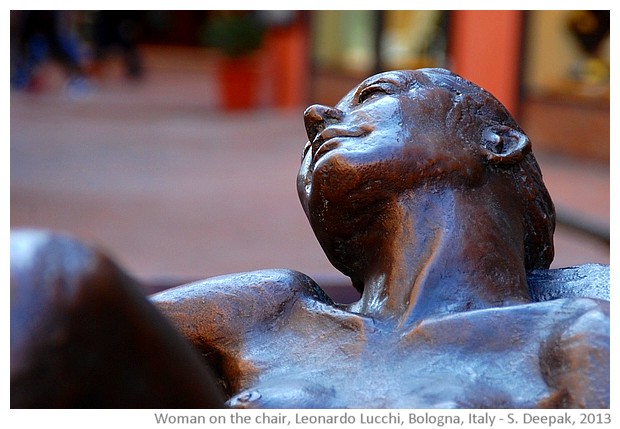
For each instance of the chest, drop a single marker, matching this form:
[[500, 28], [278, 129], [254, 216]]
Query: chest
[[443, 365]]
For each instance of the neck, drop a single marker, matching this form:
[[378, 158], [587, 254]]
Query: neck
[[448, 252]]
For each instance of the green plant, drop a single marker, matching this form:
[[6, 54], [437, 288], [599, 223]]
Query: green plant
[[234, 33]]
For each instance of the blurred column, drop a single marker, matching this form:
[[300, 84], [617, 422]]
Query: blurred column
[[485, 47]]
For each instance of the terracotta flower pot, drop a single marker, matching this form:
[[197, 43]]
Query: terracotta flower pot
[[238, 78]]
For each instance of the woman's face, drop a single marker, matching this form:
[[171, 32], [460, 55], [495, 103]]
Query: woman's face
[[388, 135]]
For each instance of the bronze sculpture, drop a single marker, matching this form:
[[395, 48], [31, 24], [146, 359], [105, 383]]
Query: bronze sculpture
[[421, 188], [83, 335]]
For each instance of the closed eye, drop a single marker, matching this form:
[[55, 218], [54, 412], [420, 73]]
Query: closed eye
[[374, 90]]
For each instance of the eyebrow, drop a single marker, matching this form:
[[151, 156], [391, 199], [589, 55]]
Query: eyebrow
[[396, 79]]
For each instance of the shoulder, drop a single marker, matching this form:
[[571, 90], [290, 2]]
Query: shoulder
[[231, 305], [581, 315], [587, 332], [576, 357], [577, 320]]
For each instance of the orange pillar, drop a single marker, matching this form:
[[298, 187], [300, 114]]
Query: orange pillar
[[485, 48]]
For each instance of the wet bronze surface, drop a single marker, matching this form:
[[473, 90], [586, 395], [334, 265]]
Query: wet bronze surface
[[423, 190]]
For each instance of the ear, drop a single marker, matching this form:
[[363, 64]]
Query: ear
[[503, 145]]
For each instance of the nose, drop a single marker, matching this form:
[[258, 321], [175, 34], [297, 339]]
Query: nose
[[317, 117]]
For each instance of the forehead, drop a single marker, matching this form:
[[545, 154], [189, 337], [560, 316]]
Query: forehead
[[406, 80]]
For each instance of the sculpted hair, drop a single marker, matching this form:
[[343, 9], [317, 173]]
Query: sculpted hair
[[475, 109]]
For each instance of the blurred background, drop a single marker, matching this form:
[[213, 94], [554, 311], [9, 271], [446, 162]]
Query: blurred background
[[172, 139]]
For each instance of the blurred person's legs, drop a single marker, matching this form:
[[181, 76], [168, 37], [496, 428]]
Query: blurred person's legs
[[42, 36], [117, 31]]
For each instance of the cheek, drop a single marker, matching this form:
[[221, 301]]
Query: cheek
[[449, 166], [353, 182]]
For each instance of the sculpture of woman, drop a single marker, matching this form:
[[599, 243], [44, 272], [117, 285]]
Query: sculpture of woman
[[423, 190]]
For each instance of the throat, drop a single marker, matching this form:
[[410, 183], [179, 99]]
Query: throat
[[441, 264]]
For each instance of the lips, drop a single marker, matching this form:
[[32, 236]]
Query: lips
[[325, 140], [326, 147]]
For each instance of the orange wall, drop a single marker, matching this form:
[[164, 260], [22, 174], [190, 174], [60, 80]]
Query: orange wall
[[485, 47]]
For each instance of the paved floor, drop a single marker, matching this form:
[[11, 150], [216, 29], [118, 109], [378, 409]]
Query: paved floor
[[175, 189]]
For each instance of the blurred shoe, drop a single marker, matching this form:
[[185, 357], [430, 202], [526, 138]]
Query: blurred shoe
[[79, 87]]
